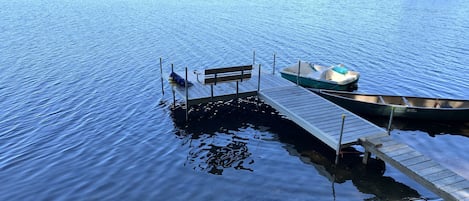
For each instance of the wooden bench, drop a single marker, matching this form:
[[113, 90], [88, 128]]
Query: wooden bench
[[406, 102], [227, 74]]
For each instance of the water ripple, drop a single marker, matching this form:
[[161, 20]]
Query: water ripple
[[83, 117]]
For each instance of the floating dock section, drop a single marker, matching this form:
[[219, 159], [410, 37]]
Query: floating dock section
[[432, 175], [328, 122], [318, 116]]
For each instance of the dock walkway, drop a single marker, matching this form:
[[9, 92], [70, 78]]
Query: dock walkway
[[318, 116]]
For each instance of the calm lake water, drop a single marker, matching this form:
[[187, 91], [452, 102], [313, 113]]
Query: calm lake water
[[83, 118]]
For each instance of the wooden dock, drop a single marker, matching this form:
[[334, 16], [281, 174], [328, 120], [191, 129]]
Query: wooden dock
[[327, 122]]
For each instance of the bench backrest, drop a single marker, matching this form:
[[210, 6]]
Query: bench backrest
[[226, 74]]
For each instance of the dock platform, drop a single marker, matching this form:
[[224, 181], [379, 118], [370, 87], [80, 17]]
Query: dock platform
[[201, 93]]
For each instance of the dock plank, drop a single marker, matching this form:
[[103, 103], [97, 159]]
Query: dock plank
[[393, 147], [422, 166], [415, 160], [440, 175], [456, 186], [449, 180], [404, 154]]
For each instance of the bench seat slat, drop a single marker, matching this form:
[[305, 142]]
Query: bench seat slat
[[227, 69], [227, 78]]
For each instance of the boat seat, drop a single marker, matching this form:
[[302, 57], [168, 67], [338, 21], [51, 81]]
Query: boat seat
[[381, 100], [406, 102]]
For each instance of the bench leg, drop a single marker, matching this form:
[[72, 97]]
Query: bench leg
[[211, 92]]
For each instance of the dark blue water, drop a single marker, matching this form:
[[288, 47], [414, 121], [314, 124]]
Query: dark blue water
[[83, 118]]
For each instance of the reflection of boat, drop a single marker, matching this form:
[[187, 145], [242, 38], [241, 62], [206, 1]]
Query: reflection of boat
[[404, 106], [321, 77]]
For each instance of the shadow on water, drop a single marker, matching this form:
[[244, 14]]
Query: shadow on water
[[211, 133], [227, 118], [433, 128]]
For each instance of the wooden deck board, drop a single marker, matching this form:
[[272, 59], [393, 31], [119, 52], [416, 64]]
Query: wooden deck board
[[449, 180], [421, 166], [440, 175], [348, 131], [404, 154], [456, 186], [415, 160], [313, 111], [358, 128], [318, 116], [393, 147], [356, 134]]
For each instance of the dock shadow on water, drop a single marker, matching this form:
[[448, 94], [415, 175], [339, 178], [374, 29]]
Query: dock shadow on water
[[218, 124], [433, 128], [210, 121]]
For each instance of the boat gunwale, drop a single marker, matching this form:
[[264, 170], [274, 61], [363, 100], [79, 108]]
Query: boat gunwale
[[331, 93]]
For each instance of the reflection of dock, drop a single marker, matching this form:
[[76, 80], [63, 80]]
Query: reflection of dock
[[328, 122]]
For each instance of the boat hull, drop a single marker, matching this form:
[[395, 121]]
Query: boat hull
[[319, 84], [404, 112]]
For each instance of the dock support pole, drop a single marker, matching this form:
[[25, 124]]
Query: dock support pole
[[337, 153], [298, 75], [187, 97], [253, 57], [211, 92], [390, 120], [237, 90], [161, 73], [259, 80], [174, 96], [258, 84], [366, 157], [273, 66]]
